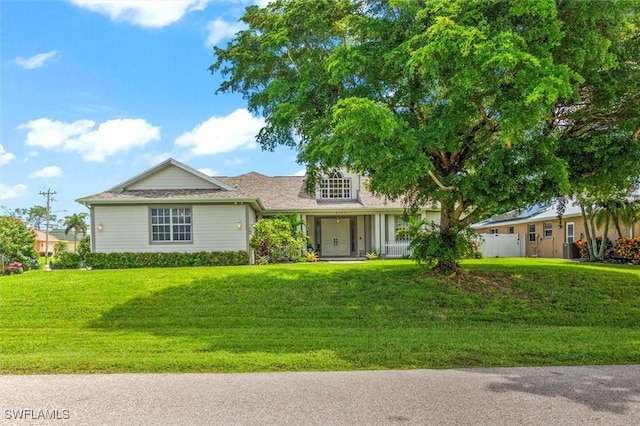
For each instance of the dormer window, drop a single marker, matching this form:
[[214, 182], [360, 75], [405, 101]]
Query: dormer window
[[335, 186]]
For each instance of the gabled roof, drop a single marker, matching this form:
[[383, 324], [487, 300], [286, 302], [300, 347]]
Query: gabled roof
[[168, 162], [278, 194]]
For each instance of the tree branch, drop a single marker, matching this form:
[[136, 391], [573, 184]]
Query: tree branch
[[440, 185]]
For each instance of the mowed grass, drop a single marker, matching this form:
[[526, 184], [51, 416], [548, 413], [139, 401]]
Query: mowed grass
[[372, 315]]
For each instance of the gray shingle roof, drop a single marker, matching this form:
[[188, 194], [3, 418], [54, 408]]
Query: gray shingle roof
[[279, 193]]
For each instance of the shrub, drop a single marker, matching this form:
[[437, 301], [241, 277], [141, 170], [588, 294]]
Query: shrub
[[311, 256], [277, 240], [13, 268], [437, 249], [628, 249], [66, 260], [59, 248], [126, 260], [372, 255], [84, 246], [17, 243]]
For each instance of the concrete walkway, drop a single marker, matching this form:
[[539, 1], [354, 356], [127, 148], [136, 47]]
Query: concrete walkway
[[605, 395]]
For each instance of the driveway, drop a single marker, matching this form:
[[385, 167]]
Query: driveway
[[607, 395]]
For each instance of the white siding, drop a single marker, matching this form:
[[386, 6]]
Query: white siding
[[126, 228], [172, 178]]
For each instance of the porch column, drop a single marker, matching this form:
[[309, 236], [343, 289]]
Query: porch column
[[379, 225], [376, 232], [304, 228]]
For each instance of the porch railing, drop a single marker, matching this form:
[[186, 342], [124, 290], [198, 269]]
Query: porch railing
[[396, 249]]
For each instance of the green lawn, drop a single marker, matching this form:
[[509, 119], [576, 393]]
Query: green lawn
[[373, 315]]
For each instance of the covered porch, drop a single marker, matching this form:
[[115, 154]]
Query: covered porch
[[343, 235]]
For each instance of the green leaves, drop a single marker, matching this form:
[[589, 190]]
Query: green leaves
[[471, 104], [17, 243]]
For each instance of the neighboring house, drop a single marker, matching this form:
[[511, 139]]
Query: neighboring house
[[41, 241], [538, 232], [173, 207], [67, 238]]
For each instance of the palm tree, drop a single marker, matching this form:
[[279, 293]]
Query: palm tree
[[75, 222], [620, 212]]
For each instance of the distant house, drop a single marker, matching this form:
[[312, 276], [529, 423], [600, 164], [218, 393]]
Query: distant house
[[538, 232], [41, 241], [173, 207], [67, 238]]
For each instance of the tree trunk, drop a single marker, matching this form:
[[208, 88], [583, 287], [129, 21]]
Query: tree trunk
[[587, 232], [448, 260]]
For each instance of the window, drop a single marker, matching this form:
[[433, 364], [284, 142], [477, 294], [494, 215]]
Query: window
[[532, 232], [511, 230], [570, 232], [494, 230], [170, 224], [402, 226], [335, 186], [548, 230]]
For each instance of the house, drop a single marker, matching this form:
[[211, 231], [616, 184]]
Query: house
[[537, 231], [173, 207], [43, 243], [67, 238]]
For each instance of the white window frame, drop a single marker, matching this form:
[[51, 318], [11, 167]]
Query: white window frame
[[547, 229], [531, 228], [570, 237], [494, 231], [171, 225], [511, 230], [335, 187]]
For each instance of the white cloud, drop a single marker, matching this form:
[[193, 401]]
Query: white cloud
[[145, 13], [16, 191], [220, 30], [47, 172], [222, 134], [5, 156], [36, 61], [209, 171], [302, 172], [82, 136]]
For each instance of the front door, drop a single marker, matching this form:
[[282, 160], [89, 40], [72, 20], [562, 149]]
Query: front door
[[335, 237]]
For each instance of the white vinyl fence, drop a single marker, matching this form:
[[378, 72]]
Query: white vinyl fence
[[397, 249], [502, 245]]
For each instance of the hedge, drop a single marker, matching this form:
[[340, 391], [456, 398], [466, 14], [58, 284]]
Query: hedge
[[127, 260], [628, 249]]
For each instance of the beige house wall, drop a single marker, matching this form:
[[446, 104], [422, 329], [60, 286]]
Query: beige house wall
[[551, 244]]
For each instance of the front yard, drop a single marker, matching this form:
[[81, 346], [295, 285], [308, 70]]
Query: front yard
[[373, 315]]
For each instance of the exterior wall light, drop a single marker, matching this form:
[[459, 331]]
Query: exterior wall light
[[100, 227], [239, 225]]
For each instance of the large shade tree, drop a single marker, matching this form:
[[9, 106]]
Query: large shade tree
[[454, 102]]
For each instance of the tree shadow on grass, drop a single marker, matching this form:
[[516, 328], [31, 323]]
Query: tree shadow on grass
[[387, 316], [601, 388], [272, 310]]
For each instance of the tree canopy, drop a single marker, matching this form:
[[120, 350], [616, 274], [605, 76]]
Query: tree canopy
[[471, 104]]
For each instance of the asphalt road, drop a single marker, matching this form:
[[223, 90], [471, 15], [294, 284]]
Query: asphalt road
[[606, 395]]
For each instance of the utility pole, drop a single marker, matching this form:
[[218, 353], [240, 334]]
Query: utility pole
[[49, 194]]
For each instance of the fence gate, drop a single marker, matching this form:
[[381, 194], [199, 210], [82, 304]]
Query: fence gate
[[502, 245]]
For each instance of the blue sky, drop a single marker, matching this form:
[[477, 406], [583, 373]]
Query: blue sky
[[94, 92]]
